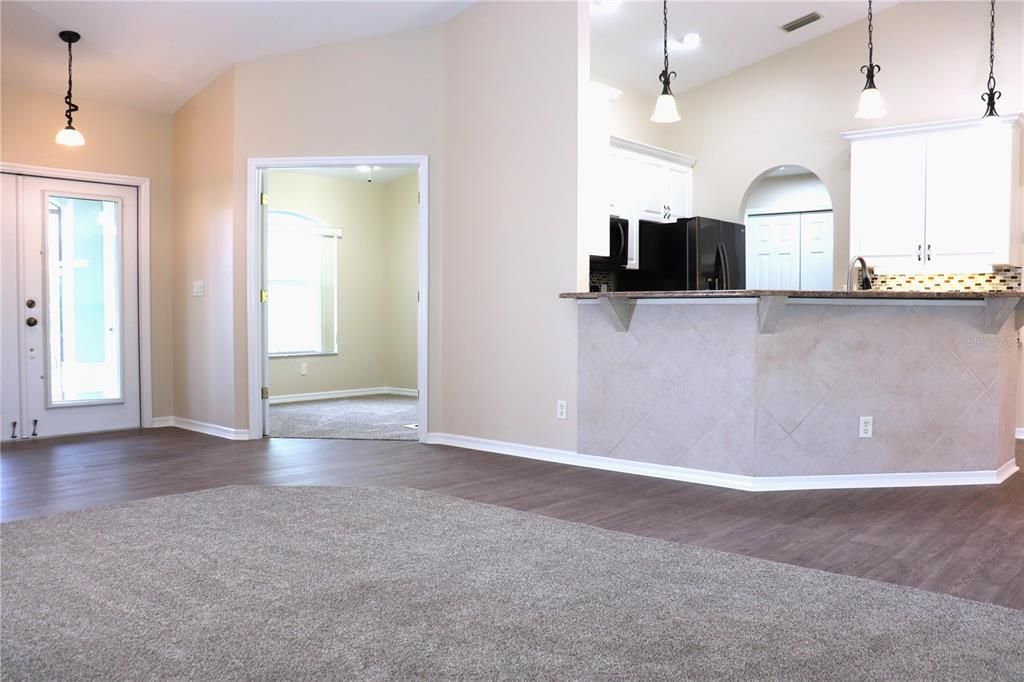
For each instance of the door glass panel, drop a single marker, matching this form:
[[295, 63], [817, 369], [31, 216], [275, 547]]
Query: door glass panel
[[83, 311]]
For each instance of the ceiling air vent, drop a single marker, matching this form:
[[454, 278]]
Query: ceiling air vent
[[801, 22]]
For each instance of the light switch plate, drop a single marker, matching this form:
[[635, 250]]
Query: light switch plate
[[198, 287], [303, 368]]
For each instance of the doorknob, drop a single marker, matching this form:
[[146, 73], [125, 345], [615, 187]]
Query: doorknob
[[31, 321], [30, 303]]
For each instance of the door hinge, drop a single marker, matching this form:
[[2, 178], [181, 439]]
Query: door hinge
[[264, 392], [263, 199], [263, 296], [418, 198]]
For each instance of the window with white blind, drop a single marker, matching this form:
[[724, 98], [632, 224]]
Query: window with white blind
[[302, 285]]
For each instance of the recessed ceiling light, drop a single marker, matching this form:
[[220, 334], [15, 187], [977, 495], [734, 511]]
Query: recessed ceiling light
[[605, 6], [690, 41]]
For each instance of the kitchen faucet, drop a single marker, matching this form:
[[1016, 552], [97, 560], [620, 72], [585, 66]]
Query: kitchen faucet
[[865, 281]]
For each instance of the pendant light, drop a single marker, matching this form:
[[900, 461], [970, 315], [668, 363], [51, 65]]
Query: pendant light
[[69, 137], [990, 97], [665, 108], [871, 103]]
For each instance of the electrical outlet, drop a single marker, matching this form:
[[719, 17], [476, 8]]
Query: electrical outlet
[[562, 409], [198, 287], [303, 368], [867, 427]]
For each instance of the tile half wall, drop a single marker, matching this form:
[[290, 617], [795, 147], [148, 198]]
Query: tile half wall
[[694, 385]]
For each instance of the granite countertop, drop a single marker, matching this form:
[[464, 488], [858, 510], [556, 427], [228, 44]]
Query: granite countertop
[[760, 293]]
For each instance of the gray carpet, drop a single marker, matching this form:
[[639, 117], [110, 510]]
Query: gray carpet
[[375, 417], [316, 583]]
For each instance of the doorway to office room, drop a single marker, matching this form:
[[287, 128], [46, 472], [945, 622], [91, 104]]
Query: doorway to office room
[[341, 261]]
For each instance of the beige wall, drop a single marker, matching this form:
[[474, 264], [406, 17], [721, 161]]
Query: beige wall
[[204, 355], [788, 194], [510, 208], [376, 286], [631, 119], [119, 141], [791, 108]]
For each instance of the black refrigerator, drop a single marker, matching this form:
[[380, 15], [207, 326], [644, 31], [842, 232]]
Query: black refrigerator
[[691, 254]]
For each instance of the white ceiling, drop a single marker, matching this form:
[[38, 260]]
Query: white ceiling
[[382, 175], [626, 43], [155, 55]]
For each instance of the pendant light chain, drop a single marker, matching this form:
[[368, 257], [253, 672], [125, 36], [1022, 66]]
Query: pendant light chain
[[992, 48], [664, 15], [666, 75], [72, 107], [990, 97], [871, 36]]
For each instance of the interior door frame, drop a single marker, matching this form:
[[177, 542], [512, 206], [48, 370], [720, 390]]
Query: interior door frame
[[256, 348], [142, 186]]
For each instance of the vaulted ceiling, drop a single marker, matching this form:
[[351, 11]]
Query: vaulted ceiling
[[155, 55]]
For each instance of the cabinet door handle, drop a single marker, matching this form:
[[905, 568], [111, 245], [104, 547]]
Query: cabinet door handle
[[929, 256], [918, 253]]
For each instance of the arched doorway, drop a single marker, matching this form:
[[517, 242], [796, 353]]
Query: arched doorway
[[788, 214]]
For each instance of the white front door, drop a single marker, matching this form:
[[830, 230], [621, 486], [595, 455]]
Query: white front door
[[73, 322]]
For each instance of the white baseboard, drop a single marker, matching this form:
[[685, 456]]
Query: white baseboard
[[346, 393], [724, 480], [201, 427]]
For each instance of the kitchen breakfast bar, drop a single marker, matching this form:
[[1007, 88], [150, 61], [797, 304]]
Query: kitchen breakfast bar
[[772, 390]]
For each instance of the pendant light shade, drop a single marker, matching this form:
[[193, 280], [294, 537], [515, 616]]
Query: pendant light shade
[[990, 97], [872, 105], [69, 137], [665, 110]]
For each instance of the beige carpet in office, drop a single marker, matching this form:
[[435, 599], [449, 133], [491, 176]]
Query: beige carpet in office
[[371, 417], [350, 583]]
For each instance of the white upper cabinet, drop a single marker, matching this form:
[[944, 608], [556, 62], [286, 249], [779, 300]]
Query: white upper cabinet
[[940, 198], [968, 200], [654, 184], [678, 191], [887, 202]]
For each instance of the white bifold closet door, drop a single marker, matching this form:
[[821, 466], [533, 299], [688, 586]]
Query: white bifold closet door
[[69, 333]]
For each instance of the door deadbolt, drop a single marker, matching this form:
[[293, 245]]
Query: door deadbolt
[[31, 321], [30, 303]]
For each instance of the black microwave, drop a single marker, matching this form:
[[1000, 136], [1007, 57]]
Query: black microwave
[[618, 251]]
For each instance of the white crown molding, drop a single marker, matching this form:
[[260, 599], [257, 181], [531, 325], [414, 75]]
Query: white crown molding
[[1014, 120], [725, 480], [345, 393], [651, 150]]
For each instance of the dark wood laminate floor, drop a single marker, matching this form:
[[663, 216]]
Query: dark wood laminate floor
[[967, 541]]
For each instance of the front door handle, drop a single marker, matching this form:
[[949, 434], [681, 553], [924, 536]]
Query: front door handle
[[31, 321]]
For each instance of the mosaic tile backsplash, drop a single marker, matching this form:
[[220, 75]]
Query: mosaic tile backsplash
[[1002, 278]]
